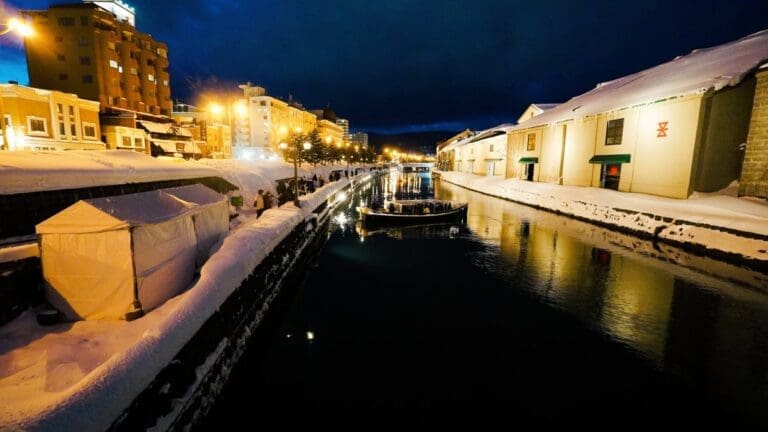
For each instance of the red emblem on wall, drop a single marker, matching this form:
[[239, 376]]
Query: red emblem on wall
[[662, 130]]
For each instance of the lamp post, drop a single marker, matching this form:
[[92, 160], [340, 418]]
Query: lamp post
[[296, 152], [25, 30]]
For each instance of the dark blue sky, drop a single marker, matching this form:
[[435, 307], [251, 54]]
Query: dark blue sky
[[413, 65]]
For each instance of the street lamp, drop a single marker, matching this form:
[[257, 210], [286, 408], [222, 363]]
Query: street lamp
[[24, 30], [307, 146]]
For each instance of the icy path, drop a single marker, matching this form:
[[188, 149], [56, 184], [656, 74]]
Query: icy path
[[81, 376], [719, 221]]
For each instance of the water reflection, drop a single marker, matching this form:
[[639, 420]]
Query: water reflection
[[699, 318]]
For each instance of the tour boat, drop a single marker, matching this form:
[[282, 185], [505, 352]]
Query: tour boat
[[421, 211]]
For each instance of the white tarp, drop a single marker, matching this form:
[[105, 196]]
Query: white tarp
[[96, 250], [210, 216]]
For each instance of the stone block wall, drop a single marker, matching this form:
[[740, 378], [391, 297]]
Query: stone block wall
[[754, 173]]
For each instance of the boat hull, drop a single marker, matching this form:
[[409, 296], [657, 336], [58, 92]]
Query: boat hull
[[379, 218]]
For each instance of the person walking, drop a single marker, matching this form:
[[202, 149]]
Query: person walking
[[259, 204]]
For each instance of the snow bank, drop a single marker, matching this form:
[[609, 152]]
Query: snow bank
[[715, 222], [81, 376]]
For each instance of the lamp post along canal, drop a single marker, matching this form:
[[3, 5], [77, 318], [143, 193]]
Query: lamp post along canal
[[24, 30], [296, 150]]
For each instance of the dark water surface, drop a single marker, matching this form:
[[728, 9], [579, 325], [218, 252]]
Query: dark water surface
[[520, 316]]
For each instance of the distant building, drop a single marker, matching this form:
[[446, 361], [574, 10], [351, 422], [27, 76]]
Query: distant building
[[344, 123], [270, 121], [209, 130], [330, 132], [359, 138], [167, 139], [37, 119], [92, 49]]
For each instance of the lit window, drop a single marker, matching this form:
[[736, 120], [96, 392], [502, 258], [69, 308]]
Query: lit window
[[614, 131], [531, 145], [37, 126], [113, 64], [120, 69], [165, 83], [150, 77], [111, 45], [126, 141]]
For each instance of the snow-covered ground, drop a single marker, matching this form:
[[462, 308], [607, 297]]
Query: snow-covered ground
[[82, 375], [719, 222]]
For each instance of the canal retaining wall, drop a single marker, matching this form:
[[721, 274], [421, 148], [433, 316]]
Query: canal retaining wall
[[719, 227]]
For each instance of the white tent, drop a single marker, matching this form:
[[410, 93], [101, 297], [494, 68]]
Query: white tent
[[104, 257], [211, 216]]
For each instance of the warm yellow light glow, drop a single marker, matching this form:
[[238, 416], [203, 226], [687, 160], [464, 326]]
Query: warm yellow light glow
[[283, 130], [215, 108], [20, 27], [283, 145], [328, 140], [240, 109], [307, 145]]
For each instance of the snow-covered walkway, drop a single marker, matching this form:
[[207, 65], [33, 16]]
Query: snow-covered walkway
[[719, 222]]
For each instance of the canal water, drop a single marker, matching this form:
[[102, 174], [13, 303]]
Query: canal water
[[520, 315]]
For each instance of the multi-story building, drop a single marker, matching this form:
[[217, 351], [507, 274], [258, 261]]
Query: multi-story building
[[270, 121], [94, 50], [359, 138], [206, 127], [37, 119], [330, 132], [344, 123]]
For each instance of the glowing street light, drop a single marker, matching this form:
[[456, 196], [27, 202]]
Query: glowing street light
[[307, 146], [24, 30]]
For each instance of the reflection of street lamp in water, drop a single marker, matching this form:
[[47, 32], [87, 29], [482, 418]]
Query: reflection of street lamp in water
[[296, 152]]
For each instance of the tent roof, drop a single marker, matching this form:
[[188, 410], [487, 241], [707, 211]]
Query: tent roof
[[196, 194], [113, 213]]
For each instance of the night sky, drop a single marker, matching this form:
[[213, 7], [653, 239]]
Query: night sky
[[416, 65]]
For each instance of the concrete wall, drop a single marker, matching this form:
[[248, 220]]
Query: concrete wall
[[754, 175], [580, 138]]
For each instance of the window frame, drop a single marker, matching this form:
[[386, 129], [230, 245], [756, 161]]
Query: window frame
[[530, 145], [91, 125], [31, 132], [610, 131]]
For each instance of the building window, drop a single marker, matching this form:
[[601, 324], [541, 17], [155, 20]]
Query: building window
[[37, 126], [150, 62], [111, 45], [165, 83], [614, 132], [58, 39], [531, 145], [150, 77], [83, 41], [134, 71], [71, 110], [120, 68], [113, 64], [87, 79], [162, 52], [62, 128], [85, 61], [490, 147], [61, 57], [263, 103], [84, 21], [89, 130], [66, 21], [126, 141], [138, 142], [63, 77], [59, 109], [73, 129]]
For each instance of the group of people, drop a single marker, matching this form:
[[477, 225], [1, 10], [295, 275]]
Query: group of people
[[264, 201]]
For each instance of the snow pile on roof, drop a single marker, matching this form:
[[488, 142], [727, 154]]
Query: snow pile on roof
[[84, 376], [38, 171], [481, 135], [164, 128], [717, 222], [701, 70], [545, 106]]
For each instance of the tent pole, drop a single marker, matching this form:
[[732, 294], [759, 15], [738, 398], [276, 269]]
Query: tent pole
[[136, 311]]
